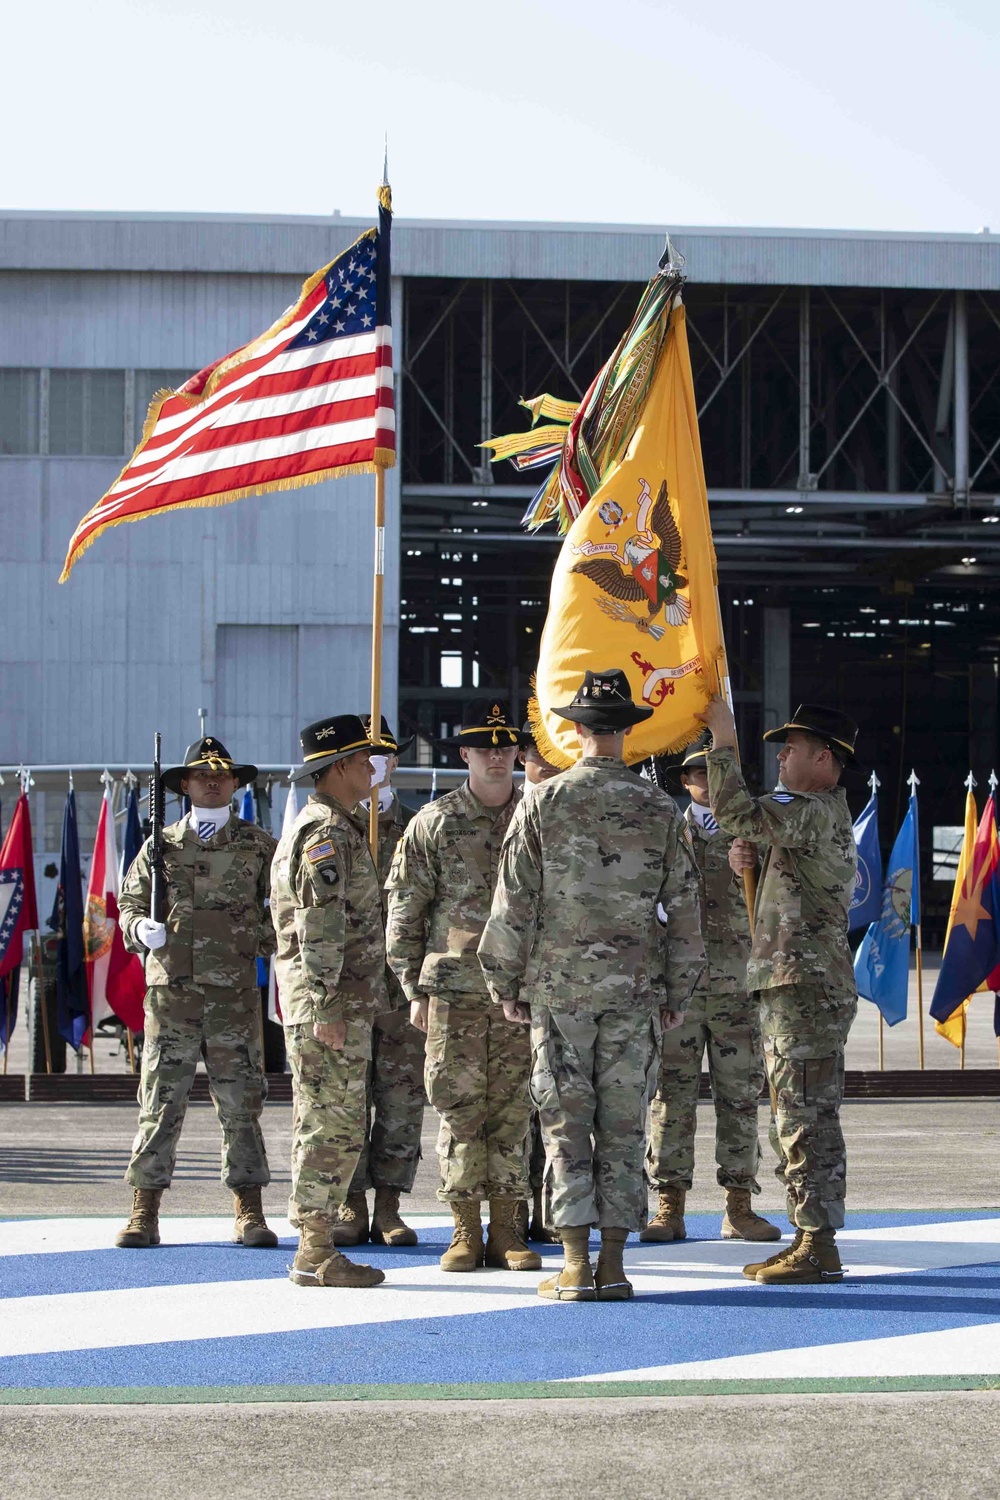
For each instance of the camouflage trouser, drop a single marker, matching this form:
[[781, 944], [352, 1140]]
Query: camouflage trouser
[[182, 1024], [328, 1118], [536, 1154], [591, 1081], [728, 1026], [394, 1106], [477, 1080], [805, 1031]]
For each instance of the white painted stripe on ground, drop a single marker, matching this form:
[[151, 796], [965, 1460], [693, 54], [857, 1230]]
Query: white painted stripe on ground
[[59, 1236]]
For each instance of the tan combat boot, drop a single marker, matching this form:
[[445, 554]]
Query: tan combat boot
[[668, 1221], [143, 1228], [465, 1252], [251, 1228], [740, 1221], [612, 1283], [319, 1263], [505, 1247], [816, 1259], [387, 1227], [750, 1272], [538, 1230], [575, 1282], [350, 1227]]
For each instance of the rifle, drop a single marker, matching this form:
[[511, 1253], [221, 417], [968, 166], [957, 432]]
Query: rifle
[[157, 869]]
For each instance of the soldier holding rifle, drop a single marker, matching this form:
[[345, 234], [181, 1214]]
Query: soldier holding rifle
[[194, 906]]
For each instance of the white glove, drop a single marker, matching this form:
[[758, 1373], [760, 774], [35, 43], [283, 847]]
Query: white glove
[[152, 935]]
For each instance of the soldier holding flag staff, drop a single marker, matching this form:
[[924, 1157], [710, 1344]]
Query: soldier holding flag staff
[[800, 963]]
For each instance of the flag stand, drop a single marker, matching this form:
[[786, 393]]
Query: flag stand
[[376, 705]]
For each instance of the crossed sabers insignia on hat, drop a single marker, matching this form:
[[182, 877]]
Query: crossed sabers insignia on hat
[[324, 734]]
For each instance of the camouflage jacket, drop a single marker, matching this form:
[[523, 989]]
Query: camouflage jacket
[[391, 824], [596, 907], [725, 925], [440, 888], [806, 883], [217, 892], [327, 911]]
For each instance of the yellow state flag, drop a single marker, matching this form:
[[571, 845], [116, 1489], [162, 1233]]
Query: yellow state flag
[[953, 1030], [635, 584]]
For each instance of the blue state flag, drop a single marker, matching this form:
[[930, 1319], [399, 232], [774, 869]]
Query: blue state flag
[[72, 995], [882, 963], [867, 899], [131, 836]]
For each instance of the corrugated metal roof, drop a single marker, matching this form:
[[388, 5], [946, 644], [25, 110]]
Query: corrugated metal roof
[[285, 245]]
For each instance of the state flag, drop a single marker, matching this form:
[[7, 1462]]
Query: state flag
[[882, 963], [972, 946], [866, 903], [114, 976]]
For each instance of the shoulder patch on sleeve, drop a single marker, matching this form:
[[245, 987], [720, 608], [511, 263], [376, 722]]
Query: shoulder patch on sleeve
[[782, 797], [316, 853]]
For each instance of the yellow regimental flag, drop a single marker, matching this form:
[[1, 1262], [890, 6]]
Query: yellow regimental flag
[[635, 584], [953, 1030]]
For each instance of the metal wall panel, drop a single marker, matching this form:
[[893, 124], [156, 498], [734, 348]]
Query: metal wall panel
[[294, 247]]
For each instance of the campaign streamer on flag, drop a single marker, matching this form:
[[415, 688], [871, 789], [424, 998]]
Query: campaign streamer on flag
[[882, 963], [866, 903], [18, 911], [287, 824], [635, 583], [972, 946], [310, 399], [114, 976]]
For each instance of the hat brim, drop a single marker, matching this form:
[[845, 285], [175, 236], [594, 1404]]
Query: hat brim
[[483, 739], [846, 757], [172, 777], [672, 774], [395, 747], [622, 716], [310, 768]]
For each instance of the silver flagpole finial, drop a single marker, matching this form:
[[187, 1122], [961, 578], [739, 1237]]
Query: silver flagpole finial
[[993, 783], [970, 781], [874, 783], [913, 780]]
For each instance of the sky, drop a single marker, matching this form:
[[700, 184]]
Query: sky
[[867, 114]]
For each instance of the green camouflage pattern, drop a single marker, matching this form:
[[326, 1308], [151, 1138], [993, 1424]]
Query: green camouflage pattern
[[596, 908], [394, 1107], [477, 1079], [591, 1081], [326, 907], [727, 1026], [440, 888], [536, 1154], [216, 917], [806, 882], [725, 923], [184, 1022], [805, 1029], [328, 1123]]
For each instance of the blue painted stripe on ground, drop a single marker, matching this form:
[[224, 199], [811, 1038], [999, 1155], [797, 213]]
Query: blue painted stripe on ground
[[544, 1342], [194, 1264]]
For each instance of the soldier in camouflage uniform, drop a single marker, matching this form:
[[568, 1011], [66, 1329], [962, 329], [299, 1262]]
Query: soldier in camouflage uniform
[[389, 1157], [595, 939], [722, 1020], [330, 966], [202, 998], [476, 1074], [537, 770], [800, 964]]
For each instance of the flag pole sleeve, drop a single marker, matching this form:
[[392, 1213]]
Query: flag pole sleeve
[[377, 588]]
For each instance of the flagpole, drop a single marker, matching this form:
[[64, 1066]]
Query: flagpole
[[914, 782], [377, 592], [6, 1045], [881, 1042]]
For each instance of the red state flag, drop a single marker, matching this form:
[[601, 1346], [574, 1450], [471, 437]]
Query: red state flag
[[114, 976], [18, 910]]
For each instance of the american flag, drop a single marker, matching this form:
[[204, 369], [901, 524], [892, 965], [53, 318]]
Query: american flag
[[310, 399]]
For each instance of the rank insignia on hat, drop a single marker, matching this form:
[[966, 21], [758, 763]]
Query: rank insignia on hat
[[318, 852]]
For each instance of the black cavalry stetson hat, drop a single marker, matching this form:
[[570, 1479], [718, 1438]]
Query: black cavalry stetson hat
[[390, 745], [486, 725], [837, 731], [208, 754], [692, 760], [330, 740], [604, 701]]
